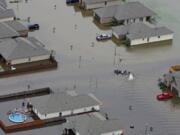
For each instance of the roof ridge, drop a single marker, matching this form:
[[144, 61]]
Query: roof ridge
[[9, 27]]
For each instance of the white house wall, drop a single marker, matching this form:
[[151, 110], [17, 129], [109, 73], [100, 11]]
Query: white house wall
[[52, 115], [162, 38], [38, 114], [32, 59], [42, 117], [65, 113], [77, 133], [97, 107], [151, 39], [43, 57], [85, 109], [77, 111], [19, 61], [7, 19], [119, 132]]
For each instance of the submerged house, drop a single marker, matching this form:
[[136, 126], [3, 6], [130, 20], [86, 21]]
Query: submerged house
[[141, 33], [22, 51], [92, 124], [172, 81], [93, 4], [63, 104], [126, 13]]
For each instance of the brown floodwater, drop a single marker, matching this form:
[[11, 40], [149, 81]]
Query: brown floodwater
[[87, 65]]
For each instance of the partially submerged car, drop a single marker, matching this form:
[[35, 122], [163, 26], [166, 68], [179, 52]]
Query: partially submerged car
[[165, 96], [103, 37], [33, 27]]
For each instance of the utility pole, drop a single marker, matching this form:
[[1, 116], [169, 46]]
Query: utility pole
[[80, 58], [90, 82], [96, 83], [146, 128], [114, 56]]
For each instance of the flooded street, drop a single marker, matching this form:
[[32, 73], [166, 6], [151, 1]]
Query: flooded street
[[86, 65]]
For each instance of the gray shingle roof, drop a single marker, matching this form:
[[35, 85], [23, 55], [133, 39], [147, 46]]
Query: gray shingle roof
[[8, 13], [106, 12], [125, 11], [7, 32], [16, 25], [89, 124], [2, 8], [140, 30], [132, 10], [18, 48], [62, 101], [3, 3]]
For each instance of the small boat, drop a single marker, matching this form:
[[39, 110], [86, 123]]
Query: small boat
[[131, 77]]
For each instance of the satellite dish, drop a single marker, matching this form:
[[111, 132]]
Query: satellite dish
[[131, 77]]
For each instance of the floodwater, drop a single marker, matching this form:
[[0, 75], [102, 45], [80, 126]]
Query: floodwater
[[87, 66]]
